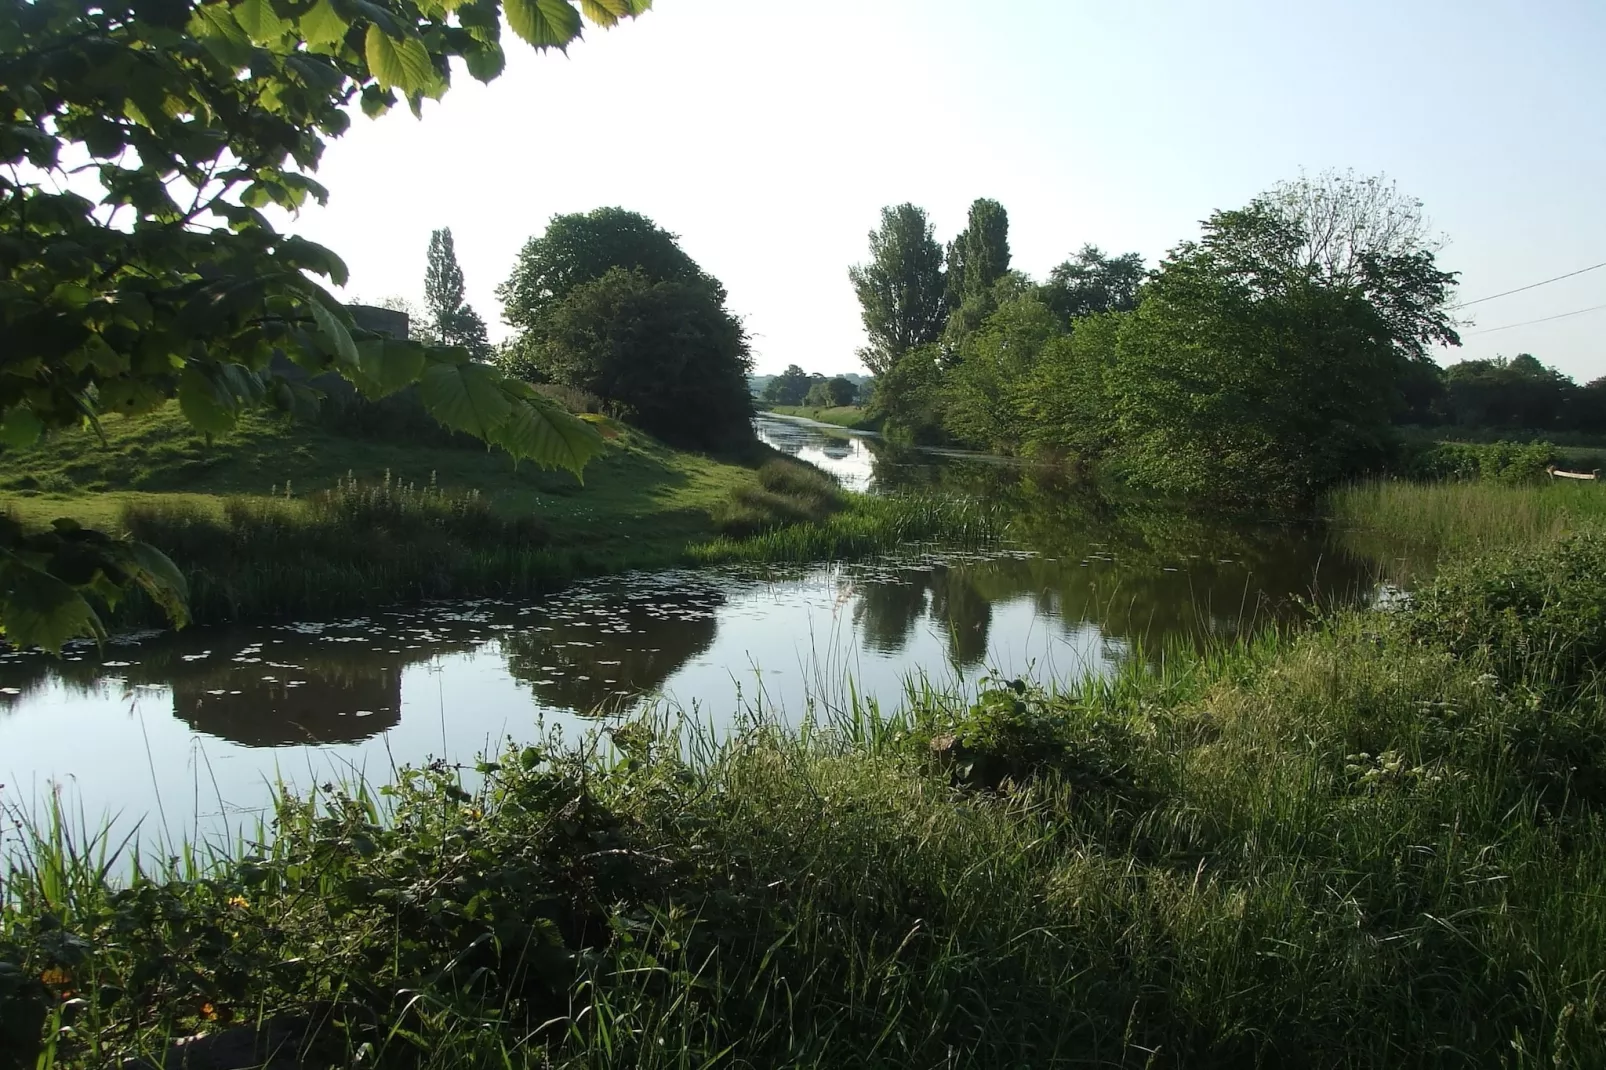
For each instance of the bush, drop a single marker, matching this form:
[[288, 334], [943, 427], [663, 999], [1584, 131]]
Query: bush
[[1504, 462], [1532, 615], [1017, 732]]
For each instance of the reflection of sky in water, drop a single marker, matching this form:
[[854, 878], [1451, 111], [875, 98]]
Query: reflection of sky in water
[[846, 456], [180, 729], [183, 728]]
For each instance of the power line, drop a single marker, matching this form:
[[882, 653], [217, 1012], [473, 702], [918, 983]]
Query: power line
[[1530, 286], [1546, 319]]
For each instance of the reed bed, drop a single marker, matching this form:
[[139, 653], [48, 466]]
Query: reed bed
[[1468, 516]]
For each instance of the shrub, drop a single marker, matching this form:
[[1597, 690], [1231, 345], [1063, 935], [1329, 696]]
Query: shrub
[[1016, 732], [1532, 614], [788, 492], [1504, 462]]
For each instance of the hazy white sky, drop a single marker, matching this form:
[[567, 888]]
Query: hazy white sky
[[768, 135]]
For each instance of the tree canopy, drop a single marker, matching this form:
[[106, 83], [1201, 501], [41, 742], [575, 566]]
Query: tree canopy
[[143, 141], [451, 320], [665, 351], [1091, 283], [582, 247], [901, 289]]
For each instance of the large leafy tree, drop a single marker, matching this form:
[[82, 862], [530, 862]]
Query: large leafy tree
[[1091, 283], [582, 247], [977, 259], [788, 388], [901, 288], [1518, 393], [1255, 370], [142, 138], [666, 352], [451, 320]]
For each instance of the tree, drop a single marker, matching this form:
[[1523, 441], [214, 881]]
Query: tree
[[977, 259], [788, 388], [1342, 231], [1067, 403], [987, 390], [1237, 384], [901, 288], [1091, 283], [451, 321], [582, 247], [908, 397], [841, 391], [143, 139], [666, 352], [1520, 393]]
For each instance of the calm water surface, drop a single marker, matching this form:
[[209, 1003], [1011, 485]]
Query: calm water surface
[[188, 732]]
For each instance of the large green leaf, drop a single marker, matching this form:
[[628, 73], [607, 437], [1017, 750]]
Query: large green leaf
[[323, 25], [158, 577], [543, 23], [385, 366], [335, 332], [465, 397], [257, 18], [540, 432], [37, 609], [401, 64], [204, 403], [20, 427]]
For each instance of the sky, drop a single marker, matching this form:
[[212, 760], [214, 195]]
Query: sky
[[769, 135]]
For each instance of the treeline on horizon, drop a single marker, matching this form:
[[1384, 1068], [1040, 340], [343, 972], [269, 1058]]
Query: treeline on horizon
[[1265, 362]]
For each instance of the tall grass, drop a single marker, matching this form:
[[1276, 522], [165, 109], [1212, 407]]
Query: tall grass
[[1468, 515], [380, 542], [1343, 848]]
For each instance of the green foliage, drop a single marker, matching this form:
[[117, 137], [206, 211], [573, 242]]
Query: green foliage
[[1457, 516], [608, 303], [1092, 284], [901, 289], [1150, 867], [908, 397], [790, 387], [1067, 403], [1015, 732], [787, 492], [1534, 615], [1519, 393], [977, 259], [987, 390], [451, 320], [1240, 379], [152, 273], [1505, 462], [580, 248], [667, 353]]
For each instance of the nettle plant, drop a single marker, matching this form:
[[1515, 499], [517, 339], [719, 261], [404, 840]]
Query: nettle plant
[[140, 141]]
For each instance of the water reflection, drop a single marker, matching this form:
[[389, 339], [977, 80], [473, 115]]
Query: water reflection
[[1089, 580]]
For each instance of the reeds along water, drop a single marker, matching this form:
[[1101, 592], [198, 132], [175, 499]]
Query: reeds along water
[[1475, 515], [1340, 847]]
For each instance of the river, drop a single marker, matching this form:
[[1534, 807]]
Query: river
[[187, 733]]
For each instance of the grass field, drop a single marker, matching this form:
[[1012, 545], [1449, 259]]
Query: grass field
[[849, 416], [1469, 516], [279, 518], [1375, 845]]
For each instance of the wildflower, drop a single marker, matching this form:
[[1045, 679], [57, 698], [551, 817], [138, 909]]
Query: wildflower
[[56, 976], [209, 1012], [239, 901]]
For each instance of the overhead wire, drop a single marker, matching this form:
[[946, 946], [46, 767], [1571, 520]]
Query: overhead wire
[[1530, 286], [1543, 319]]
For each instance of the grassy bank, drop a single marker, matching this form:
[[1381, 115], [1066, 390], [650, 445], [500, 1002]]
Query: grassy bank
[[853, 417], [279, 518], [1375, 845], [1468, 516]]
